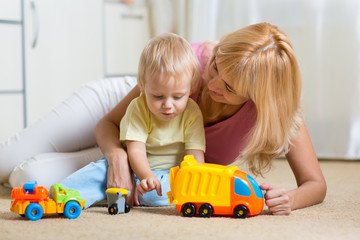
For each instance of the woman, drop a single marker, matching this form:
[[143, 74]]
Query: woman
[[254, 66], [250, 99]]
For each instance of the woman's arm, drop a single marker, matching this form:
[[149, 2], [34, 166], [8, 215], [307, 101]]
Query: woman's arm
[[310, 180], [107, 137]]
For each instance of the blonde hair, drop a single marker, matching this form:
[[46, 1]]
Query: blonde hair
[[165, 56], [262, 60]]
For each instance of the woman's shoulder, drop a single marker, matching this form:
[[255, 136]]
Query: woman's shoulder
[[204, 48], [203, 51]]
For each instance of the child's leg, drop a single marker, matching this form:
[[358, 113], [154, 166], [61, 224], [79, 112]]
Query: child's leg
[[50, 168], [90, 181], [151, 198]]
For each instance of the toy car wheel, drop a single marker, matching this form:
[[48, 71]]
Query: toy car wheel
[[206, 210], [127, 208], [241, 211], [34, 211], [72, 209], [188, 210], [113, 209]]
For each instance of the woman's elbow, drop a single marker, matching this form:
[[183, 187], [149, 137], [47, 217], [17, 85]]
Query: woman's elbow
[[322, 190]]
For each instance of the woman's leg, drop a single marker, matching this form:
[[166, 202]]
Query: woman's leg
[[50, 168], [69, 128]]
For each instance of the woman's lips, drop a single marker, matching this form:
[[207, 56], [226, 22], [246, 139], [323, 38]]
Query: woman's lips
[[216, 93]]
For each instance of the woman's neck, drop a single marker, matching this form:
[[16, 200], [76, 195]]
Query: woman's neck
[[214, 112]]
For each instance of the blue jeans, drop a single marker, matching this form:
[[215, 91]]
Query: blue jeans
[[91, 180]]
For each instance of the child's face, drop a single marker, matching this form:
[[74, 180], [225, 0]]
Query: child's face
[[167, 99]]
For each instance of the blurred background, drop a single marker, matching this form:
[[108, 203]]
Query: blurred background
[[50, 48]]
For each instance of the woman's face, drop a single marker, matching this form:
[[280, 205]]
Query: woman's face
[[221, 89]]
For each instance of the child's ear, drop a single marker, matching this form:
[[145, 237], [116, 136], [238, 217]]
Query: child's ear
[[141, 88]]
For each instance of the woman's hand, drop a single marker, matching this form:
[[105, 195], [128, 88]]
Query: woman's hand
[[119, 174], [147, 185], [277, 200], [107, 137]]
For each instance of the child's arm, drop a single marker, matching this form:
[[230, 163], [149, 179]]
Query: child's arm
[[140, 165], [198, 154]]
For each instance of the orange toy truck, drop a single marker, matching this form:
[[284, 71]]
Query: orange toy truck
[[33, 201], [209, 189]]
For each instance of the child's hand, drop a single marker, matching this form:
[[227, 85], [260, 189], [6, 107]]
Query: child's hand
[[277, 200], [147, 185]]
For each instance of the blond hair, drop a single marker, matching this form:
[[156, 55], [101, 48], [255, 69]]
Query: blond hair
[[262, 60], [168, 55]]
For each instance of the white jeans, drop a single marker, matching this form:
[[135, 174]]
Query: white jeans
[[62, 141]]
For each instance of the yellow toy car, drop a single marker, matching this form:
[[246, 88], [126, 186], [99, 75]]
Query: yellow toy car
[[209, 189], [116, 200]]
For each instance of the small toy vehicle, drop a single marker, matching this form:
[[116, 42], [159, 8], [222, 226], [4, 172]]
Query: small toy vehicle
[[33, 201], [116, 200], [209, 189]]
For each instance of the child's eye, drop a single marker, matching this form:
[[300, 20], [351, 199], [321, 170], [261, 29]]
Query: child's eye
[[158, 96], [177, 97]]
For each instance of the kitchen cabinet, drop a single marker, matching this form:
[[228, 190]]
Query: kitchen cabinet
[[126, 32], [63, 50], [48, 49], [11, 68]]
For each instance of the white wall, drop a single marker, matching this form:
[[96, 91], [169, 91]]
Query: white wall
[[326, 38]]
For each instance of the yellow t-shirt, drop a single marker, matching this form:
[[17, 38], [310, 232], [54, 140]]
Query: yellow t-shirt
[[165, 141]]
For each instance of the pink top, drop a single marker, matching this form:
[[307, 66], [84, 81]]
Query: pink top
[[226, 139]]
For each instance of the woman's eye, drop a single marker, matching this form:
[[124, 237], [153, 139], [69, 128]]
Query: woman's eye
[[228, 88], [158, 96], [215, 66]]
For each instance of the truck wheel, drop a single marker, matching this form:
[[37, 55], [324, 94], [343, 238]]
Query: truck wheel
[[206, 210], [188, 210], [34, 211], [113, 209], [72, 209], [241, 211], [127, 208]]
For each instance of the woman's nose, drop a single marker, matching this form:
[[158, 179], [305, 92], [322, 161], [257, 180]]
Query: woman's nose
[[214, 84]]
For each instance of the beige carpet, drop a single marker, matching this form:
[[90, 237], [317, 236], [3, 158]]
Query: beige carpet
[[337, 218]]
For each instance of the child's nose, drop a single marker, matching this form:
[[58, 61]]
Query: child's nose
[[167, 103]]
